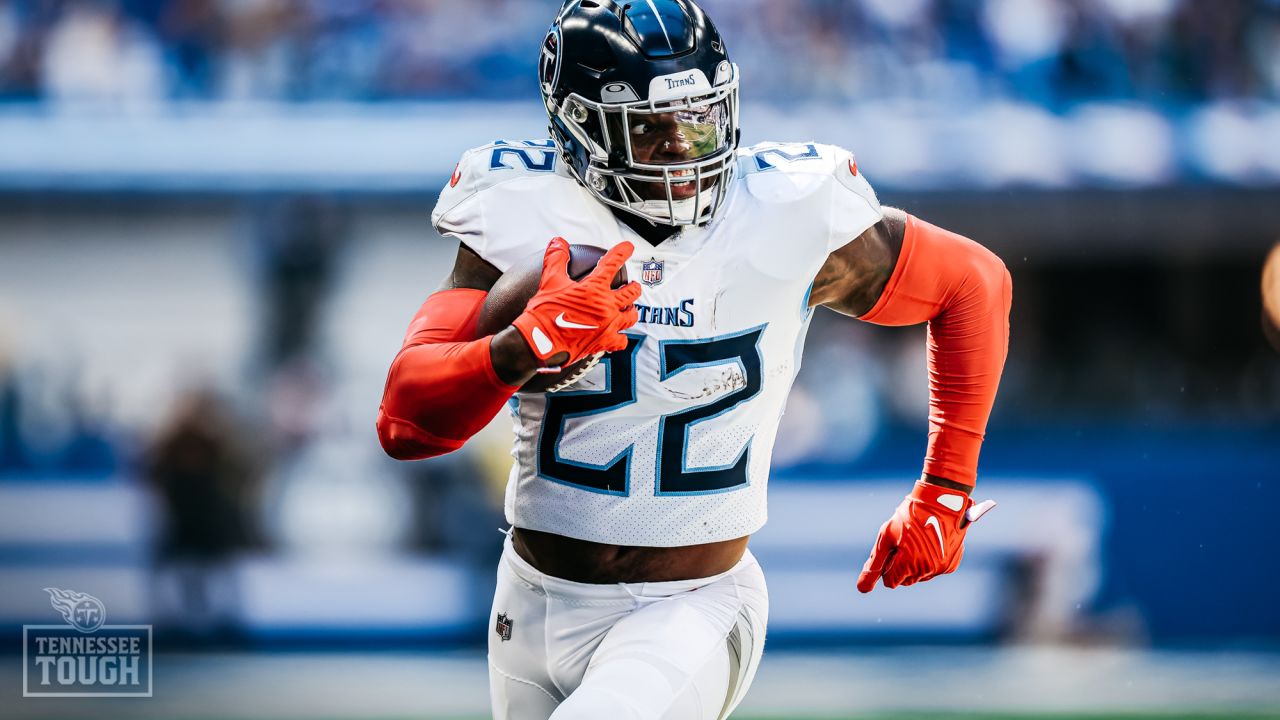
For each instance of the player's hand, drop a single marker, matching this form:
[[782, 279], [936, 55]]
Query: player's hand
[[579, 318], [924, 538]]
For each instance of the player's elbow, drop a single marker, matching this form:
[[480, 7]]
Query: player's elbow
[[988, 278], [404, 440]]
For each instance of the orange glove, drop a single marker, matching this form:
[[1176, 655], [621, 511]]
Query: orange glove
[[924, 538], [579, 318]]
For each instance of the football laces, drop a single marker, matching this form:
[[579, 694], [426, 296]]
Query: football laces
[[577, 374]]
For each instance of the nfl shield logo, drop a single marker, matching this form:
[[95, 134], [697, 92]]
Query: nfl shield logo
[[651, 272], [503, 627]]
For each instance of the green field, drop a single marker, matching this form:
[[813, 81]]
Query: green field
[[1206, 715], [1202, 715], [942, 683]]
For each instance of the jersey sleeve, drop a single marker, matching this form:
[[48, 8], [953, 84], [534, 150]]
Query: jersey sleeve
[[459, 210], [854, 206], [506, 200], [829, 201]]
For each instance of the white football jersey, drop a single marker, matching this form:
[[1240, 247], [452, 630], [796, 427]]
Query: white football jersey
[[666, 443]]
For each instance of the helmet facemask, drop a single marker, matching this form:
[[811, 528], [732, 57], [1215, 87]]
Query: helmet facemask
[[669, 159]]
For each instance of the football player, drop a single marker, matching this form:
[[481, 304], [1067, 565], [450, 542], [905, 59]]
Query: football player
[[626, 589]]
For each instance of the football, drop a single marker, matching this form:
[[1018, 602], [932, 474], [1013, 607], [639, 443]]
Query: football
[[509, 296], [1271, 298]]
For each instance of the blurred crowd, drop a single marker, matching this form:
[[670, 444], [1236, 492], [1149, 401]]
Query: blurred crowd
[[1049, 52], [48, 426]]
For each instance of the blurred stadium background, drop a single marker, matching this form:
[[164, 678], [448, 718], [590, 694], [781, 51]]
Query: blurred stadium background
[[214, 229]]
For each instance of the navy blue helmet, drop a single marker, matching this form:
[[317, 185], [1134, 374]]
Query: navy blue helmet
[[643, 103]]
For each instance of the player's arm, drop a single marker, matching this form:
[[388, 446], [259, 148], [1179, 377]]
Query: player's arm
[[441, 365], [446, 384], [513, 361], [904, 271]]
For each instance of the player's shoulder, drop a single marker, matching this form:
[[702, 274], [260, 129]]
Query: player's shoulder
[[505, 199], [501, 161], [487, 169], [811, 185], [791, 158], [792, 171]]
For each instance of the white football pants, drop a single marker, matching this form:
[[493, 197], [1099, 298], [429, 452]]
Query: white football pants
[[683, 650]]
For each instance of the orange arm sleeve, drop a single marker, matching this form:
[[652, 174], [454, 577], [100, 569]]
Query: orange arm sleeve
[[441, 388], [964, 292]]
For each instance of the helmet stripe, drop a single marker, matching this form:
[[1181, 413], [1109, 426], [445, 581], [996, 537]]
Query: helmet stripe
[[666, 35]]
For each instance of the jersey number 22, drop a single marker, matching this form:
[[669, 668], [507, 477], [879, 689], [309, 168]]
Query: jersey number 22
[[673, 476]]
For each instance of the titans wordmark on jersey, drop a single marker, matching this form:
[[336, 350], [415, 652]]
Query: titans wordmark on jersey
[[669, 441]]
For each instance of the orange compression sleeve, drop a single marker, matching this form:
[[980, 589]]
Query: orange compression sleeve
[[964, 292], [441, 388]]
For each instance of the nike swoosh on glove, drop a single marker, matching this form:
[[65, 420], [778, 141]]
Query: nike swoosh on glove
[[583, 317], [924, 538]]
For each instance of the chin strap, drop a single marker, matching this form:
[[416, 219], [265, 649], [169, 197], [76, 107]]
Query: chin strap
[[684, 208]]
